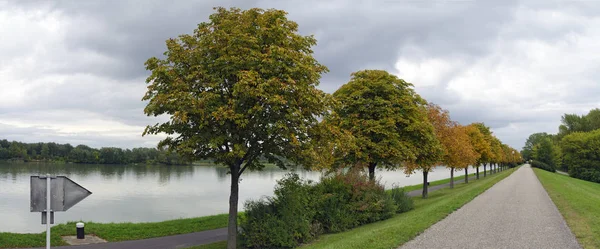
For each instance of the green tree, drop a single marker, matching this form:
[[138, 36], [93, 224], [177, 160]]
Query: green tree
[[574, 123], [532, 140], [481, 144], [581, 151], [45, 151], [381, 111], [547, 152], [241, 86], [427, 148], [489, 157]]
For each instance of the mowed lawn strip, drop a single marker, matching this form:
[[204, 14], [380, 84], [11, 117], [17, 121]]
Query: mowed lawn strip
[[579, 203], [403, 227], [113, 232]]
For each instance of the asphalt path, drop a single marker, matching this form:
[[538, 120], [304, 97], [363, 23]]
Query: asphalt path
[[515, 213]]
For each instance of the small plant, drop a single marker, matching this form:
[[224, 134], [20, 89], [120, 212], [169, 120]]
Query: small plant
[[403, 202]]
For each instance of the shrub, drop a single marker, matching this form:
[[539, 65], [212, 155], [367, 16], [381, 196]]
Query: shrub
[[300, 211], [283, 221], [581, 154], [403, 202], [542, 165], [350, 199]]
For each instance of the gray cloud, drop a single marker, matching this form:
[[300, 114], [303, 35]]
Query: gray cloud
[[459, 54]]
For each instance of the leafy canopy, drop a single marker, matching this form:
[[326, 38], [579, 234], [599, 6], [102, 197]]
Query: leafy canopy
[[480, 143], [455, 140], [384, 114], [243, 85]]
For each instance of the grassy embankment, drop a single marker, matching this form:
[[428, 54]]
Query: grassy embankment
[[131, 231], [403, 227], [579, 203]]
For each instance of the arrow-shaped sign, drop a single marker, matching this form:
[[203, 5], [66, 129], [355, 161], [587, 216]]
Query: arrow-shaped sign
[[54, 194], [64, 192]]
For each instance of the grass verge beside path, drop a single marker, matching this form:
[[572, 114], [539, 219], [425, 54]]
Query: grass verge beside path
[[403, 227], [579, 203], [117, 231]]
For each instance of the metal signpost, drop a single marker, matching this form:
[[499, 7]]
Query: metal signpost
[[54, 194]]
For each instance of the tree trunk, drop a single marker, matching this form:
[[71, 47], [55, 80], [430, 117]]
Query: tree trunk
[[425, 185], [484, 170], [451, 177], [467, 174], [372, 171], [233, 208], [477, 169]]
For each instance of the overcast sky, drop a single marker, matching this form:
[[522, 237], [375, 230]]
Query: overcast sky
[[73, 71]]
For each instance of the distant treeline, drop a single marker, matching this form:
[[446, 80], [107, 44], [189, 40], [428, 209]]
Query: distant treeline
[[85, 154], [576, 147]]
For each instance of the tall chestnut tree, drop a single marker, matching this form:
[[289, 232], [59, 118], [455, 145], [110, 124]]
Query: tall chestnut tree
[[241, 86]]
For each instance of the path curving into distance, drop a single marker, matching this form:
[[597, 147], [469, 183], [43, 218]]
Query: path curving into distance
[[515, 213]]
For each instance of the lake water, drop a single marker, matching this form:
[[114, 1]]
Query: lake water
[[143, 193]]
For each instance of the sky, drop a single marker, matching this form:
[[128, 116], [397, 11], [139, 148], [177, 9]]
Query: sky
[[73, 71]]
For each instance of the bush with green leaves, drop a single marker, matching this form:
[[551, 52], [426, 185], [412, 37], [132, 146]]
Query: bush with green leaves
[[581, 154], [347, 200], [403, 202], [282, 221], [300, 210], [541, 165]]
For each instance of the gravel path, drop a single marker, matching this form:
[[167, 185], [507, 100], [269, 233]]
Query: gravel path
[[514, 213]]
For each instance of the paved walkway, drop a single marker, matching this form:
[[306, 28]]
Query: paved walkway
[[514, 213]]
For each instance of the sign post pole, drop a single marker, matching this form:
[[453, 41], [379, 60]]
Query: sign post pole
[[48, 206]]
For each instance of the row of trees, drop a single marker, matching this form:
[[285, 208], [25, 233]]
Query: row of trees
[[244, 85], [575, 148], [84, 154]]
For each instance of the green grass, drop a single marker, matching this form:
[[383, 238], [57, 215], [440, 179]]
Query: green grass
[[216, 245], [401, 228], [579, 203], [457, 177], [117, 231]]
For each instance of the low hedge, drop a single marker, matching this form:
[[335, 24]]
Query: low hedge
[[541, 165], [301, 210]]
